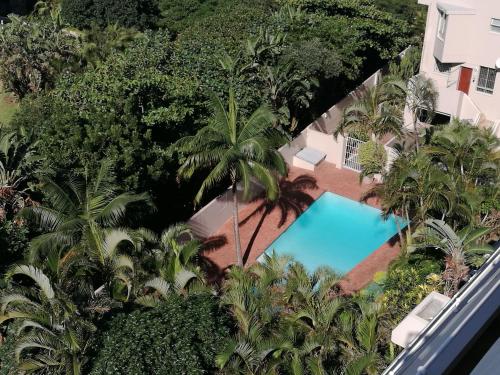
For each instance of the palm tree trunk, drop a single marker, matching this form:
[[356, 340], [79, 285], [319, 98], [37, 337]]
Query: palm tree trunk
[[236, 226], [400, 234], [417, 142]]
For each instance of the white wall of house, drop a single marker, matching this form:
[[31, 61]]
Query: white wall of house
[[460, 33]]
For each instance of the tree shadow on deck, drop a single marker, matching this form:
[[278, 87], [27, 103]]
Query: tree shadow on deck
[[293, 199]]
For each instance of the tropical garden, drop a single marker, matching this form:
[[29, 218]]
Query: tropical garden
[[128, 116]]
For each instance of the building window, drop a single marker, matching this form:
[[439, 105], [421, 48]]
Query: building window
[[495, 25], [486, 81], [443, 20], [444, 67]]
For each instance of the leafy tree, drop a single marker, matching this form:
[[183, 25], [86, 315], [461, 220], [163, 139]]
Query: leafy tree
[[177, 15], [408, 281], [459, 247], [139, 14], [237, 149], [127, 110], [14, 241], [33, 54], [50, 334], [18, 166], [180, 336], [98, 44], [7, 361]]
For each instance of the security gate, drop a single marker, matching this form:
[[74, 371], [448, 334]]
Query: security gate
[[351, 154]]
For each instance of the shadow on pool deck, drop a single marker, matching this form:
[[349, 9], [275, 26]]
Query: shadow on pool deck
[[262, 222]]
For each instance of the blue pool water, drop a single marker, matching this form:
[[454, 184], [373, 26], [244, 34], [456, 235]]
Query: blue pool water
[[335, 231]]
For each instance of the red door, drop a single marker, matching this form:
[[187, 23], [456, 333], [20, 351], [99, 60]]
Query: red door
[[464, 80]]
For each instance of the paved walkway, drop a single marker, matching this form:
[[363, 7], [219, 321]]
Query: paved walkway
[[261, 224]]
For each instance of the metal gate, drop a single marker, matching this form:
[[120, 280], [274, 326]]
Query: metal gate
[[351, 154]]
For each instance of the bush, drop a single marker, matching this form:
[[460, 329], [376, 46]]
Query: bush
[[139, 14], [181, 336], [372, 157], [407, 283]]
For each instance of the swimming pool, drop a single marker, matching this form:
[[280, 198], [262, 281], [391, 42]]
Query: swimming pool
[[335, 231]]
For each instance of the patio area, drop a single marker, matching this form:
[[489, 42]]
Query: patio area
[[261, 223]]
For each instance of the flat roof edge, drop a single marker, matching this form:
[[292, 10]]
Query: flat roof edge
[[451, 9], [409, 357]]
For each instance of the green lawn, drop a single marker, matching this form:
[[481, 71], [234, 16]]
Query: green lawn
[[7, 107]]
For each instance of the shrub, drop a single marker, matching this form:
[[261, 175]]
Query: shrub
[[181, 336], [407, 283], [372, 157], [139, 14]]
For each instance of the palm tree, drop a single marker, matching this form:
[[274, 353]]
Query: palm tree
[[460, 248], [374, 114], [287, 91], [420, 98], [79, 208], [174, 264], [360, 336], [414, 188], [469, 151], [51, 335], [238, 149], [83, 221], [286, 318]]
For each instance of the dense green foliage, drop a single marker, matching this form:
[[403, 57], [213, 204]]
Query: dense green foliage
[[372, 158], [33, 54], [180, 336], [129, 114], [139, 14]]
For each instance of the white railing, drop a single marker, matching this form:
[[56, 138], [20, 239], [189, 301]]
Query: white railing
[[453, 76], [469, 110], [351, 159]]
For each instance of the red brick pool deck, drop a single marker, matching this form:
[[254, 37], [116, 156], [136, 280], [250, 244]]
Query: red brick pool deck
[[260, 225]]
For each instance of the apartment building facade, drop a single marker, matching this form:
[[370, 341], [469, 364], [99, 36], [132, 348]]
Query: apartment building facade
[[461, 54]]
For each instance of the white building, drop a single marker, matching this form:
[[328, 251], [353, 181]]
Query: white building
[[461, 53]]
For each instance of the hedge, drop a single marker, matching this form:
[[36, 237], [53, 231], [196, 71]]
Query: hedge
[[181, 336]]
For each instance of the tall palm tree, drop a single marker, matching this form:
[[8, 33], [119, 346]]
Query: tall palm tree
[[51, 334], [420, 98], [374, 114], [237, 149], [459, 248], [414, 188]]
